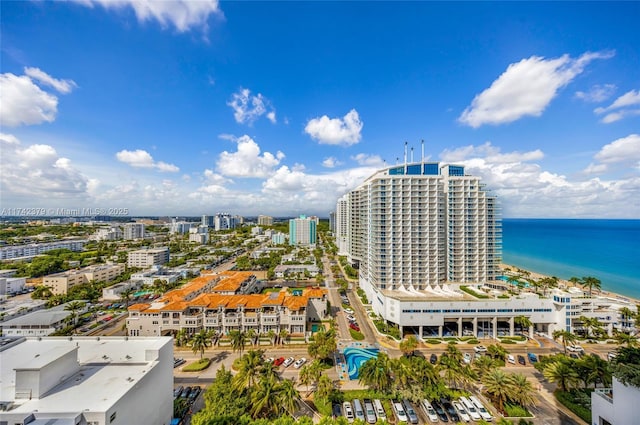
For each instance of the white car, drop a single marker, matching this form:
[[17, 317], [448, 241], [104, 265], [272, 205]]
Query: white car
[[351, 318], [511, 359], [298, 364], [429, 410], [348, 311], [467, 358], [471, 409], [480, 349], [288, 362], [347, 409], [461, 411], [575, 348], [400, 413], [269, 360], [484, 413]]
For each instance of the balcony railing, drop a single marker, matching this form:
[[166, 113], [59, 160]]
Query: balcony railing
[[606, 393]]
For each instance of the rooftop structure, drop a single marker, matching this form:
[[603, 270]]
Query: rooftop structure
[[615, 405], [86, 380], [37, 323]]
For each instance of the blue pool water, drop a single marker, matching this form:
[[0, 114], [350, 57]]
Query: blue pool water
[[356, 356]]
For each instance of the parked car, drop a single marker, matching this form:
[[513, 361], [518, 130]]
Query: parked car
[[380, 413], [369, 413], [178, 362], [440, 411], [354, 326], [177, 391], [429, 410], [467, 358], [480, 349], [433, 359], [358, 410], [347, 410], [575, 348], [521, 360], [336, 410], [401, 415], [269, 360], [411, 413], [288, 362], [511, 359], [278, 361], [451, 411], [185, 392], [532, 358], [195, 392], [471, 409], [348, 311], [484, 413], [461, 411], [298, 364], [351, 318]]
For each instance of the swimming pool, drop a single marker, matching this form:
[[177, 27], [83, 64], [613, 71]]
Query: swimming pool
[[356, 356], [141, 293], [506, 279]]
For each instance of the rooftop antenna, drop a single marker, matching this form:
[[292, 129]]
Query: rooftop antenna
[[397, 160], [412, 154], [405, 153], [422, 150]]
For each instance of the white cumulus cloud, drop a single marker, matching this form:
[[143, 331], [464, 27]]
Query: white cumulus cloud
[[183, 15], [368, 160], [525, 89], [336, 131], [247, 160], [24, 102], [616, 111], [142, 159], [330, 162], [597, 93], [247, 108], [623, 151], [62, 86]]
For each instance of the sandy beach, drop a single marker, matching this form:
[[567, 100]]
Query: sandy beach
[[563, 283]]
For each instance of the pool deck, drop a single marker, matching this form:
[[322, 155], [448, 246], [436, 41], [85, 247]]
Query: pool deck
[[341, 362]]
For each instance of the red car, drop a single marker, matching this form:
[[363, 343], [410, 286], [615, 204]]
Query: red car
[[278, 361], [354, 326]]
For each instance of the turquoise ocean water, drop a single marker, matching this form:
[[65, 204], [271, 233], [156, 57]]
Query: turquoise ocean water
[[606, 249]]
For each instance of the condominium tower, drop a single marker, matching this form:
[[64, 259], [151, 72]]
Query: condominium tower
[[302, 231]]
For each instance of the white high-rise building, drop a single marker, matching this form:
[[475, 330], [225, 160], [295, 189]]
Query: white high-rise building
[[419, 224], [133, 231], [225, 222], [302, 231], [342, 225]]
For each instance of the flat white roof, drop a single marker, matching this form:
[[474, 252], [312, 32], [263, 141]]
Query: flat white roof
[[108, 368]]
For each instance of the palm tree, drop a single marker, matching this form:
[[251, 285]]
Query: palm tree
[[451, 369], [375, 372], [562, 373], [590, 324], [249, 370], [126, 295], [593, 369], [238, 340], [409, 345], [181, 337], [264, 398], [272, 336], [522, 322], [251, 334], [200, 342], [288, 396], [497, 351], [591, 283], [453, 352], [73, 307], [284, 334], [627, 315], [324, 387], [626, 339], [566, 336], [499, 386], [305, 376], [484, 365], [523, 392]]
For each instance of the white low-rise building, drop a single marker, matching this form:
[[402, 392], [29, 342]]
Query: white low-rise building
[[86, 381], [616, 405], [60, 283], [27, 251], [38, 323], [144, 258], [12, 285], [114, 292]]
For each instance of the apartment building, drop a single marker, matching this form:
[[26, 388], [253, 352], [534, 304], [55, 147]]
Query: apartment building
[[86, 380], [145, 258], [226, 221], [179, 227], [12, 285], [615, 405], [38, 322], [223, 303], [133, 231], [27, 251], [302, 231], [342, 225], [265, 220], [60, 283]]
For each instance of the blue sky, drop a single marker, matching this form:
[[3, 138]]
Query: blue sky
[[189, 108]]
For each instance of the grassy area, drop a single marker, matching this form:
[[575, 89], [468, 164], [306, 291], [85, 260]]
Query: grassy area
[[197, 366], [516, 411], [323, 406], [350, 395], [358, 336], [433, 341], [472, 292]]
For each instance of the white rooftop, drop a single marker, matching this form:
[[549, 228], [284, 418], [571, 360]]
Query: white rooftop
[[108, 367]]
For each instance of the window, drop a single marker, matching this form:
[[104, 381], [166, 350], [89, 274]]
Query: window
[[112, 417]]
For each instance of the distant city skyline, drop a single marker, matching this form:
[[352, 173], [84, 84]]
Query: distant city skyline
[[192, 108]]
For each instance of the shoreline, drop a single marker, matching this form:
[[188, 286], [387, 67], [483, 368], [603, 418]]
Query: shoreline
[[568, 284]]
